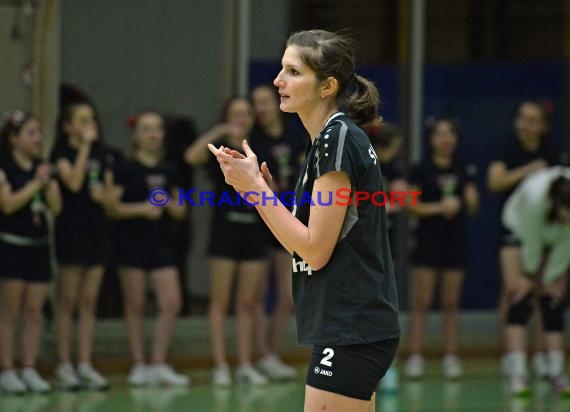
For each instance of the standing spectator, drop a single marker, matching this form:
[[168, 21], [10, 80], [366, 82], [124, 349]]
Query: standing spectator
[[146, 246], [280, 143], [27, 193], [448, 197], [81, 162], [527, 154], [237, 247]]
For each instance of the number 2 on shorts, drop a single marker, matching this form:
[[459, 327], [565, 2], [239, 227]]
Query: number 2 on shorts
[[329, 353]]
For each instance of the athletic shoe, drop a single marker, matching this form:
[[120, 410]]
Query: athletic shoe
[[11, 383], [452, 368], [560, 385], [66, 378], [163, 374], [506, 367], [540, 365], [138, 376], [415, 367], [250, 376], [221, 376], [390, 381], [275, 368], [519, 385], [33, 381], [90, 378]]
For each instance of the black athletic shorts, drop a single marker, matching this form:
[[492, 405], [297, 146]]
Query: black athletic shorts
[[440, 254], [25, 263], [81, 244], [144, 253], [352, 370], [508, 238], [238, 241]]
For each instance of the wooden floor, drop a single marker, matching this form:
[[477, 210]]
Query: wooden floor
[[481, 390]]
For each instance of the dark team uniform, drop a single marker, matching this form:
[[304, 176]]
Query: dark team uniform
[[24, 241], [349, 308], [514, 156], [236, 230], [283, 155], [440, 242], [141, 243], [81, 229]]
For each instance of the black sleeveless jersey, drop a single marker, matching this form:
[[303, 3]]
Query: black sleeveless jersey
[[30, 220], [353, 298]]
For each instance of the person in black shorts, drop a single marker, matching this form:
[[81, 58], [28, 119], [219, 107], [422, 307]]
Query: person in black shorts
[[27, 193], [280, 142], [81, 162], [521, 157], [238, 242], [448, 196], [344, 287], [145, 245]]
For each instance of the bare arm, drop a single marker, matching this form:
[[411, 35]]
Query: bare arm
[[174, 210], [10, 201], [73, 174], [500, 179], [422, 209], [53, 198], [471, 199], [197, 154]]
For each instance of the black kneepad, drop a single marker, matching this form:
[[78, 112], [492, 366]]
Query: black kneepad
[[552, 314], [520, 312]]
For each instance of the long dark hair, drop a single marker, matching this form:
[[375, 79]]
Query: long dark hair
[[559, 195], [65, 116], [12, 125], [334, 55]]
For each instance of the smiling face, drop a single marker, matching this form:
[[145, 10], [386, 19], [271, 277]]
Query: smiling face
[[29, 140], [530, 124], [298, 84]]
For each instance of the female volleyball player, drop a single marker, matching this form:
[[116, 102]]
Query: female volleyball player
[[538, 214], [448, 196], [520, 158], [145, 245], [280, 142], [237, 248], [343, 278], [80, 236], [27, 192]]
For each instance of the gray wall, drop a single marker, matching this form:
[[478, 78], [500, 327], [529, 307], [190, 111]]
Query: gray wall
[[13, 55], [172, 55]]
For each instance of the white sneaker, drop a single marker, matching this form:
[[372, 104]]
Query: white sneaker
[[162, 374], [221, 376], [248, 375], [138, 376], [390, 381], [519, 385], [506, 365], [33, 381], [11, 383], [540, 365], [91, 378], [415, 366], [66, 378], [452, 368], [275, 368]]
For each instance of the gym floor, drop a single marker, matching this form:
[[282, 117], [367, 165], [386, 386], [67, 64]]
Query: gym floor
[[481, 389]]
